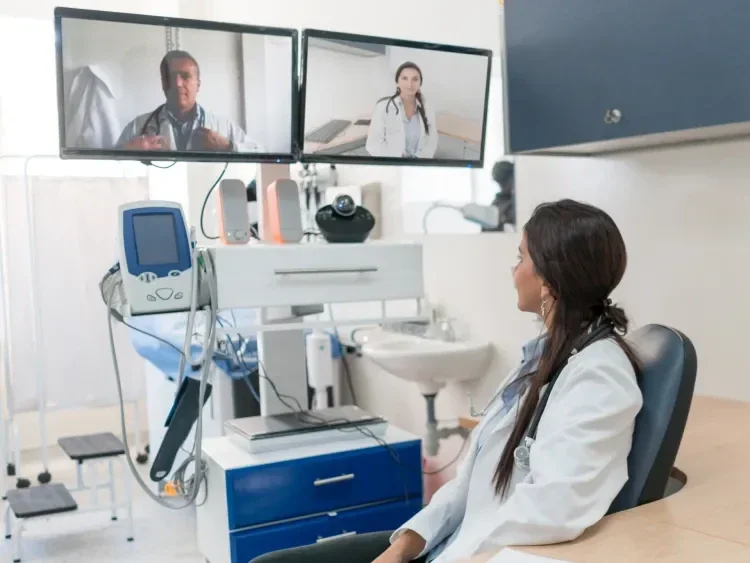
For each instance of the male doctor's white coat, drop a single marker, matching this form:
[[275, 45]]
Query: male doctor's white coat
[[578, 465]]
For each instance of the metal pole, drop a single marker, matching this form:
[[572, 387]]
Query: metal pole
[[6, 342], [36, 325]]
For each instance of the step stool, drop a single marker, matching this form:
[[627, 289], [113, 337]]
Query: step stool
[[56, 499], [34, 502]]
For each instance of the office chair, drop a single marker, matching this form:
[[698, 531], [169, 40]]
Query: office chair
[[667, 380]]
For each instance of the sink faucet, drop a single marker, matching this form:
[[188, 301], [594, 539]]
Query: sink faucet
[[443, 330]]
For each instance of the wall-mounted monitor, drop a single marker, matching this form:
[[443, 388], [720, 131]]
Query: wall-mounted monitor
[[374, 100], [152, 88]]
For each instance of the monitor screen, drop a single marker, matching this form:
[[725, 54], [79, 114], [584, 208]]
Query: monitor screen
[[155, 239], [386, 101], [152, 88]]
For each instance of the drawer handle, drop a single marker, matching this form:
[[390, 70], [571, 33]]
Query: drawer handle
[[332, 480], [344, 535], [301, 271], [612, 116]]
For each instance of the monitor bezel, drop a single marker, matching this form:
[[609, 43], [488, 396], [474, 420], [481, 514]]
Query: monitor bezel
[[308, 34], [67, 153]]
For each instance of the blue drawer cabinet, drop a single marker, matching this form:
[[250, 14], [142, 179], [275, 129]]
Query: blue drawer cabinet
[[669, 70], [290, 489], [258, 503], [248, 544]]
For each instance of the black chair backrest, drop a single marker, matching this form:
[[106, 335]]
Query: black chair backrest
[[668, 370]]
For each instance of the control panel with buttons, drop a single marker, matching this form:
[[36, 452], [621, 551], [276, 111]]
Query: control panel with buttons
[[156, 257]]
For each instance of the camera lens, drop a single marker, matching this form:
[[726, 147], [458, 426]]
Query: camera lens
[[344, 205]]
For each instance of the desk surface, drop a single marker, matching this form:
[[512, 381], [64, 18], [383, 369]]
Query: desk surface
[[707, 521]]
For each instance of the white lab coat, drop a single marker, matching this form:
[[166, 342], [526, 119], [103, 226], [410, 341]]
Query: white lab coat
[[578, 465], [386, 136], [222, 125], [91, 120]]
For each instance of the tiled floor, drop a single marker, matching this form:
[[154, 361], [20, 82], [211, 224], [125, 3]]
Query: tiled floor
[[161, 535]]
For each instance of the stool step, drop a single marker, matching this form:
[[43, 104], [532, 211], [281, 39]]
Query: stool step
[[42, 500], [92, 446]]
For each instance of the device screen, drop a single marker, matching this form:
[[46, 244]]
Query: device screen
[[369, 99], [135, 87], [155, 239]]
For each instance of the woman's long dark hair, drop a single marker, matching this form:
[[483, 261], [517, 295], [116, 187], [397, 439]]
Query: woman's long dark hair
[[420, 99], [580, 255]]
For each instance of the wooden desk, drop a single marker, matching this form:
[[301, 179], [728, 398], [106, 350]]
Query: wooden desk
[[708, 521]]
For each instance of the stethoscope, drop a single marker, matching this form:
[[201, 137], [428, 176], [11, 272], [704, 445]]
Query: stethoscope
[[154, 117], [522, 454]]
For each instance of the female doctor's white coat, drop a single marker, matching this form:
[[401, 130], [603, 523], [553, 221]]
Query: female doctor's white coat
[[578, 465], [386, 136]]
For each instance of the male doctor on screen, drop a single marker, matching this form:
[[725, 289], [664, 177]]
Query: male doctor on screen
[[181, 124]]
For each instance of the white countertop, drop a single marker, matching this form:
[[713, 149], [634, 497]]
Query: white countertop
[[228, 455]]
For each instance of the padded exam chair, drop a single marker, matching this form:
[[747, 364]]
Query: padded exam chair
[[667, 381]]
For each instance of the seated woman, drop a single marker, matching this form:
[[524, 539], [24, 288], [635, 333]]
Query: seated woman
[[571, 258]]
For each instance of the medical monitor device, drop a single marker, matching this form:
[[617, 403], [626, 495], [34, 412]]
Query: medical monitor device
[[135, 87], [155, 257], [374, 100]]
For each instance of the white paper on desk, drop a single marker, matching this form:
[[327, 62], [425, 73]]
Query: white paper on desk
[[511, 556]]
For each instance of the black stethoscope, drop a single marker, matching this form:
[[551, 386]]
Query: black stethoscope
[[154, 117], [522, 454]]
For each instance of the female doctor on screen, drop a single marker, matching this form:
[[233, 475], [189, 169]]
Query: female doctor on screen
[[571, 258], [404, 125]]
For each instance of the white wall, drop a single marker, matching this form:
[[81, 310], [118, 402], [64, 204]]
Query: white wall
[[43, 9], [343, 85], [131, 55], [454, 83], [267, 63]]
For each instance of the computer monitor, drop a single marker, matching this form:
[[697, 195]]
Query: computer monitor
[[152, 88], [374, 100]]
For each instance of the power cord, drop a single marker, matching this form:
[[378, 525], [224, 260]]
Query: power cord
[[205, 201], [149, 163], [310, 419], [344, 363], [348, 375], [188, 487], [451, 462]]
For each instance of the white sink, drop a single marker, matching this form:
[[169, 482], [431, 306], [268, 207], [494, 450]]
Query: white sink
[[429, 363]]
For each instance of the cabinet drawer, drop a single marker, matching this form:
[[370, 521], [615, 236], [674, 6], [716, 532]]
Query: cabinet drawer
[[380, 518], [291, 489], [248, 544], [309, 274]]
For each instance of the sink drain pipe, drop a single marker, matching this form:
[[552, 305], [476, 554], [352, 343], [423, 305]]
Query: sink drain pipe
[[435, 434]]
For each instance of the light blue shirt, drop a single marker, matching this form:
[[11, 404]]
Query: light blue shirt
[[413, 132], [531, 353]]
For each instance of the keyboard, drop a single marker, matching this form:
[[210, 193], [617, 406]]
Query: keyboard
[[327, 132]]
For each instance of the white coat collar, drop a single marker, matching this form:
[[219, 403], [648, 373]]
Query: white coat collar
[[400, 102]]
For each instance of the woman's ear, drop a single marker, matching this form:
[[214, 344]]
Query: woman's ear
[[546, 294]]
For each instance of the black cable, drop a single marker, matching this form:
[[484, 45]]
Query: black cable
[[451, 462], [319, 421], [348, 374], [205, 201], [161, 167]]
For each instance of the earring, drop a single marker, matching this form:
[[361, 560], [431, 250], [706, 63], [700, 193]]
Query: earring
[[544, 308]]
